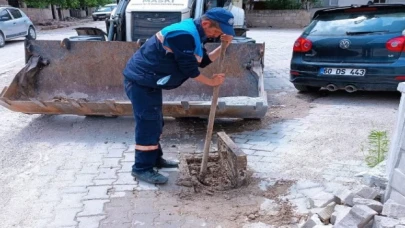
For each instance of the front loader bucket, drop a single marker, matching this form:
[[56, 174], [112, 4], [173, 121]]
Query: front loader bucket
[[85, 78]]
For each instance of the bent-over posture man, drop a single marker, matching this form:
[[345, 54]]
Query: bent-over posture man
[[166, 61]]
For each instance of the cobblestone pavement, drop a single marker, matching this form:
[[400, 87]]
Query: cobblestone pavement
[[78, 174]]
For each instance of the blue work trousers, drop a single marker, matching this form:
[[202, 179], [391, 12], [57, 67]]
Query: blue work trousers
[[147, 110]]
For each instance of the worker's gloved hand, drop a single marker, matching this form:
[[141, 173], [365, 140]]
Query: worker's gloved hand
[[217, 79], [227, 39]]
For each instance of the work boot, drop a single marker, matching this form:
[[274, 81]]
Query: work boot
[[163, 163], [150, 176]]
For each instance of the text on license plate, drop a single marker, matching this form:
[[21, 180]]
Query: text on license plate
[[342, 71]]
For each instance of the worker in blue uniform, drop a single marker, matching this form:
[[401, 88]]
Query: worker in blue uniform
[[166, 61]]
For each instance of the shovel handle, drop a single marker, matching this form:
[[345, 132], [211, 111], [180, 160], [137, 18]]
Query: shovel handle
[[211, 118]]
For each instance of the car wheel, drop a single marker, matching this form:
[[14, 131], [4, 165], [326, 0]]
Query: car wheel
[[94, 19], [304, 88], [32, 34], [2, 40]]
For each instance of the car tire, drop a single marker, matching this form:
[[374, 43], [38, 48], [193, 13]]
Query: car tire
[[304, 88], [32, 34], [2, 40], [94, 19]]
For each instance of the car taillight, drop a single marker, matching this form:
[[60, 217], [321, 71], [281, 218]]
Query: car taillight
[[302, 45], [396, 44]]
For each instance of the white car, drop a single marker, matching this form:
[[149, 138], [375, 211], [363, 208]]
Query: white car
[[14, 23]]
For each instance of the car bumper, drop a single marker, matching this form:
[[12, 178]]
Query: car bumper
[[100, 16], [377, 77]]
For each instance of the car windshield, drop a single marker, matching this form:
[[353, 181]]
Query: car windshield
[[104, 9], [357, 23]]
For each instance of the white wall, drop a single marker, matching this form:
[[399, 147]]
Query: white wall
[[396, 159]]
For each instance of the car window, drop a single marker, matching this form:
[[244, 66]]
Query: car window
[[338, 24], [5, 14], [16, 13], [104, 9]]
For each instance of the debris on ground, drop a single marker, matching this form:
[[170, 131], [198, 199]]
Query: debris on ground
[[361, 207]]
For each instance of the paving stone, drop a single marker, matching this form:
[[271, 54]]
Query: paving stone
[[74, 190], [90, 168], [36, 223], [311, 192], [97, 192], [65, 175], [393, 209], [322, 199], [263, 148], [254, 158], [83, 180], [114, 153], [104, 182], [239, 140], [144, 186], [144, 220], [90, 222], [125, 179], [106, 173], [302, 205], [128, 187], [94, 158], [129, 157], [358, 216], [271, 159], [340, 212], [314, 211], [367, 192], [326, 213], [244, 145], [384, 222], [373, 204], [117, 194], [93, 207], [71, 165], [192, 222], [111, 162], [305, 184], [65, 217], [113, 214], [71, 201], [50, 195], [126, 167], [118, 224], [312, 222], [43, 210], [344, 196], [258, 143]]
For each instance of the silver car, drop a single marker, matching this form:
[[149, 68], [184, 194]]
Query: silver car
[[14, 23]]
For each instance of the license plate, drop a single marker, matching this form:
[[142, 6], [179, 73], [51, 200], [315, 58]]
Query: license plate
[[342, 71]]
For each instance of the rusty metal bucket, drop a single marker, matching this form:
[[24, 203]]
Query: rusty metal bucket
[[85, 78]]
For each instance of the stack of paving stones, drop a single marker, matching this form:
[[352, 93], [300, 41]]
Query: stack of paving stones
[[360, 207]]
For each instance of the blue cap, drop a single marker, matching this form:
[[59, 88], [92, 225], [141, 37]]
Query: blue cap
[[223, 17]]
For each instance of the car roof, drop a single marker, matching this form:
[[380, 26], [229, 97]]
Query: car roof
[[6, 7], [353, 6]]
